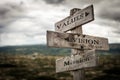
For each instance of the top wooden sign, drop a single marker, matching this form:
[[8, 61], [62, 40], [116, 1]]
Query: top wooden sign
[[79, 18]]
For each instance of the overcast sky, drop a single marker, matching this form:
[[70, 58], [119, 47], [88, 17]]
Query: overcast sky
[[26, 21]]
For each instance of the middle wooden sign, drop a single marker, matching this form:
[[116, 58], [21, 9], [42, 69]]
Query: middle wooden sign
[[76, 41]]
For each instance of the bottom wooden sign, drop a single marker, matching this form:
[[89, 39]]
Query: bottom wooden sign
[[88, 59]]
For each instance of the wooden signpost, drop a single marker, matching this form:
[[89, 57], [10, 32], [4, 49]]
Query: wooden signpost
[[81, 17], [83, 46], [74, 62], [75, 40]]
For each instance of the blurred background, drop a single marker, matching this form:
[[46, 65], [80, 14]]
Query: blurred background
[[23, 51]]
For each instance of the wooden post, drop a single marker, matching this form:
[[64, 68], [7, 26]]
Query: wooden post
[[77, 74]]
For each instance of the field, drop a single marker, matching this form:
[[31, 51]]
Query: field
[[42, 67]]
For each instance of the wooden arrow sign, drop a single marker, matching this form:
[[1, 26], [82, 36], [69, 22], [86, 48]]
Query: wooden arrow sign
[[74, 40], [88, 59], [81, 17]]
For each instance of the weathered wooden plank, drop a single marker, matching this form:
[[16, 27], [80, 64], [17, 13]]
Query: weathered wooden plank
[[80, 17], [88, 59], [80, 73], [76, 41]]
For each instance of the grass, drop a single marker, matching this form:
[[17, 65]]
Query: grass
[[40, 67]]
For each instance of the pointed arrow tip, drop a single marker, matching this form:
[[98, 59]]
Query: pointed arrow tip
[[86, 13]]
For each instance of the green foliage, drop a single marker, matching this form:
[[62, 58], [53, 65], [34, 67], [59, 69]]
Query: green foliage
[[107, 69], [41, 49], [45, 78], [21, 64], [43, 68]]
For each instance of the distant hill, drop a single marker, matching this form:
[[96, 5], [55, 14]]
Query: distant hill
[[114, 49], [43, 49], [30, 49]]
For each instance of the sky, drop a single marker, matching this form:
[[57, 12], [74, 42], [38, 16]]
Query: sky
[[25, 22]]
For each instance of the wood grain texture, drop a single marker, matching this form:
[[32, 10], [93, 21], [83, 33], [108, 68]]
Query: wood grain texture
[[76, 41], [75, 62], [78, 74], [79, 18]]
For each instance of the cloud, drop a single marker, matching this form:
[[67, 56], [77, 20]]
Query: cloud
[[26, 21], [30, 26], [9, 12], [110, 10], [107, 15], [54, 1], [20, 39]]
